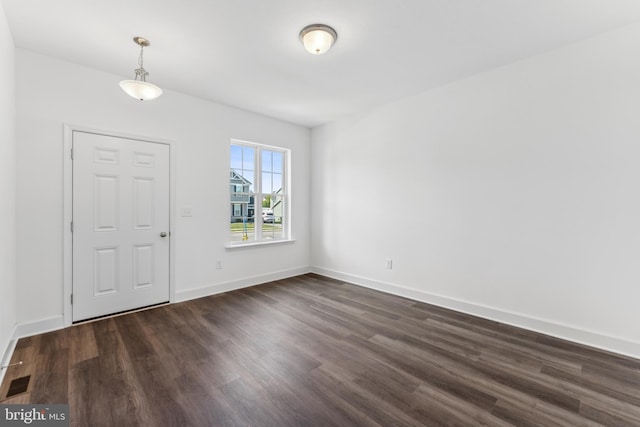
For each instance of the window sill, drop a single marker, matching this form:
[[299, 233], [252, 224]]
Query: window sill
[[254, 244]]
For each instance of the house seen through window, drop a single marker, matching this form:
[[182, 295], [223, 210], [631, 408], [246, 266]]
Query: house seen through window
[[258, 196]]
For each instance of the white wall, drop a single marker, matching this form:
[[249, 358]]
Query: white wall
[[514, 194], [7, 188], [52, 92]]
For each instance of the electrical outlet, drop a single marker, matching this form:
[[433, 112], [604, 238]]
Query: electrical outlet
[[219, 265], [186, 212], [389, 264]]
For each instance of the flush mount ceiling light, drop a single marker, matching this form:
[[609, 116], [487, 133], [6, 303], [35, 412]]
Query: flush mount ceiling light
[[318, 38], [139, 88]]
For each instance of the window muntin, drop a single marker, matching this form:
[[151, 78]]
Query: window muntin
[[258, 174]]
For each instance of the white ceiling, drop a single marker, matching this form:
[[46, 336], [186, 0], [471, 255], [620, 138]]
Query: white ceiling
[[246, 53]]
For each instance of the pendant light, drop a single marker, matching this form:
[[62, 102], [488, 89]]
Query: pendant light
[[139, 88], [318, 38]]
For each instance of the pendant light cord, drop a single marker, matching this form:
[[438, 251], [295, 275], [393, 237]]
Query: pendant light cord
[[141, 72]]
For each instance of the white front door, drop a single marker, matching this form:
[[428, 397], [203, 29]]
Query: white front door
[[120, 224]]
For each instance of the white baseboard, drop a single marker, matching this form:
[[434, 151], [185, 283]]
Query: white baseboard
[[569, 333], [38, 327], [238, 284]]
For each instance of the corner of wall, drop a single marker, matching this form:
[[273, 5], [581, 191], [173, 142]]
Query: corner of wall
[[8, 284]]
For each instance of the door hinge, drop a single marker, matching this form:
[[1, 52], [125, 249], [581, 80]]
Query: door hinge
[[72, 154], [71, 299], [72, 226]]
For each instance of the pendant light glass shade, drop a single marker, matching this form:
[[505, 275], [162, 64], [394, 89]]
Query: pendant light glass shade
[[143, 91], [139, 88], [318, 38]]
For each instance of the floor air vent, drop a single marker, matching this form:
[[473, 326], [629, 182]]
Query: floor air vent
[[19, 385]]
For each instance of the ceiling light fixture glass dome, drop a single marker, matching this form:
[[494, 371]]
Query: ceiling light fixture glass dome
[[139, 88], [318, 38]]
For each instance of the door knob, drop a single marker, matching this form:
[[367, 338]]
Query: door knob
[[163, 234]]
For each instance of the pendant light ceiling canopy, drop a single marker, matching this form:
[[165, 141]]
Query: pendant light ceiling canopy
[[139, 88], [318, 38]]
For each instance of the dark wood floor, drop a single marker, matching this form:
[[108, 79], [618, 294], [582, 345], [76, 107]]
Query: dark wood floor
[[311, 351]]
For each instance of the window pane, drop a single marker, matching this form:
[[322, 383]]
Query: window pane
[[272, 227], [240, 198], [243, 231], [277, 206], [248, 158], [266, 161], [248, 181], [266, 182], [277, 162], [236, 157], [276, 183], [242, 163], [266, 203]]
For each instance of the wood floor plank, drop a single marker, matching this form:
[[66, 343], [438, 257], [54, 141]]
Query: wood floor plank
[[455, 411], [315, 351], [82, 343]]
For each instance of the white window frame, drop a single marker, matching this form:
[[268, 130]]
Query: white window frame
[[258, 195]]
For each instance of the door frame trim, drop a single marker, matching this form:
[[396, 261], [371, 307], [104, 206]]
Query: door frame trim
[[67, 216]]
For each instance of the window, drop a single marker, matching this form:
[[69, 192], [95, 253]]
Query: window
[[259, 195]]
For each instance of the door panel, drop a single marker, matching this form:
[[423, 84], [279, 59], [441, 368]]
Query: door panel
[[143, 267], [105, 275], [106, 203], [144, 205], [120, 208]]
